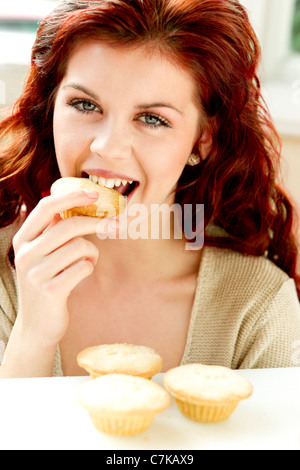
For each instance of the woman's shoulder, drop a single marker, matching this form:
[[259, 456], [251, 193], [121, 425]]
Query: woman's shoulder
[[247, 264], [250, 278], [8, 297], [6, 237]]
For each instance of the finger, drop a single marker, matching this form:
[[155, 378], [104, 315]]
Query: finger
[[62, 233], [64, 257], [54, 221], [67, 280], [41, 217]]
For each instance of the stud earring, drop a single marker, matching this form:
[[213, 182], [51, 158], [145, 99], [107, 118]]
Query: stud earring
[[193, 160]]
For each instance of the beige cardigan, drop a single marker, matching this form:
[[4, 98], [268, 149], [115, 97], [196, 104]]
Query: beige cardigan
[[246, 312]]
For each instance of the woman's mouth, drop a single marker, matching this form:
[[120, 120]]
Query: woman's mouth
[[124, 187]]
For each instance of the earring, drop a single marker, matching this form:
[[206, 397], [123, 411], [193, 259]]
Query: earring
[[193, 160]]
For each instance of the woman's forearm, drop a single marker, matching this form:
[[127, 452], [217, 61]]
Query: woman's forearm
[[27, 357]]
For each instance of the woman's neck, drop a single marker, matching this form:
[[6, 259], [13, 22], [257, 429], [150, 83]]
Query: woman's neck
[[145, 259], [157, 251]]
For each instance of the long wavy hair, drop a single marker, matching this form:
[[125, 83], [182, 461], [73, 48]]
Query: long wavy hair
[[215, 42]]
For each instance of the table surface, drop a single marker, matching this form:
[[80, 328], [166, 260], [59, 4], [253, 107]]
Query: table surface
[[45, 414]]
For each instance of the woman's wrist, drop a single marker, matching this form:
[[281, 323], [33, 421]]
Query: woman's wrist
[[27, 356]]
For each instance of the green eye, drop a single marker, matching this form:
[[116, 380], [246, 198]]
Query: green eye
[[153, 121], [84, 106], [88, 106]]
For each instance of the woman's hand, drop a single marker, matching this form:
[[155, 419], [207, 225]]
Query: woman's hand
[[52, 257]]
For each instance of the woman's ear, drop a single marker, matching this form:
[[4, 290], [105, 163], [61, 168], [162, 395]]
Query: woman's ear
[[205, 143]]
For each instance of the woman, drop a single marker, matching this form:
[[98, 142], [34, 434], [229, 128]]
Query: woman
[[162, 93]]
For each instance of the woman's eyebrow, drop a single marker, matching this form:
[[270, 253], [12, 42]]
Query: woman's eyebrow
[[159, 105], [76, 86]]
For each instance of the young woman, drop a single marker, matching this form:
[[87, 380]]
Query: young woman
[[163, 94]]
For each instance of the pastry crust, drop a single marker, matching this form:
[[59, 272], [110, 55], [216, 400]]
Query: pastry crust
[[120, 358], [205, 393], [109, 204], [123, 405]]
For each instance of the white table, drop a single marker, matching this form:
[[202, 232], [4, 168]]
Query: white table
[[45, 414]]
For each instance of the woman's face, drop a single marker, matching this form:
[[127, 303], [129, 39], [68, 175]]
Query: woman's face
[[122, 115]]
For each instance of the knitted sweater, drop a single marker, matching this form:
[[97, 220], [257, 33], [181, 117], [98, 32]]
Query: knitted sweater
[[246, 312]]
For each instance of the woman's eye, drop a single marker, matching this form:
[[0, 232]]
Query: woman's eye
[[83, 106], [153, 121], [86, 106]]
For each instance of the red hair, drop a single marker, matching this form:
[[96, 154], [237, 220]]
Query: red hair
[[214, 41]]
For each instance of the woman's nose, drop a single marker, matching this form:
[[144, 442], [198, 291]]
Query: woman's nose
[[112, 141]]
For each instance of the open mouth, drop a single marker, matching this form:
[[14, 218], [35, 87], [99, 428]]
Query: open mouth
[[124, 187]]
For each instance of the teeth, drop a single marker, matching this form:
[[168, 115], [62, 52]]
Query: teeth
[[108, 182], [100, 180], [93, 178]]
